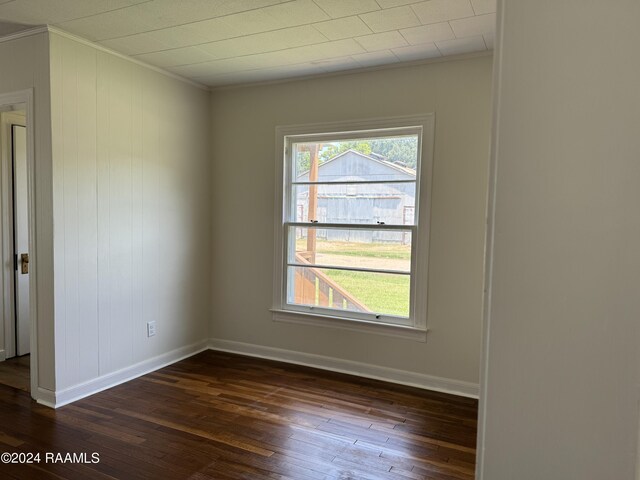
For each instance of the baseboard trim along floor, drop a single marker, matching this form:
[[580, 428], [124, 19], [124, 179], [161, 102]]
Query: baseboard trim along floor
[[376, 372], [76, 392]]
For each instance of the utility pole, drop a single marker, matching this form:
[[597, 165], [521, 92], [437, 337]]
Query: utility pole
[[313, 201]]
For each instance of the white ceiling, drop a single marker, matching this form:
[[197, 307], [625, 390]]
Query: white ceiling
[[222, 42]]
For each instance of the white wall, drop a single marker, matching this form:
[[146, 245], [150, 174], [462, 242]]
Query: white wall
[[24, 64], [131, 182], [243, 135], [561, 397]]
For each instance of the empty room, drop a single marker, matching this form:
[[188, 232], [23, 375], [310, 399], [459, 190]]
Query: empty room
[[319, 239]]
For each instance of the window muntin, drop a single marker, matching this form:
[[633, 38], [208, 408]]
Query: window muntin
[[360, 208], [368, 203], [365, 249]]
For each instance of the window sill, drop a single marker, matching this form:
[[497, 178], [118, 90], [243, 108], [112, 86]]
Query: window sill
[[363, 326]]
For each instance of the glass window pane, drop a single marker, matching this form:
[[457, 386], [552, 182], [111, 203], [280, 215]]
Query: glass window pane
[[355, 248], [390, 203], [365, 292], [385, 158]]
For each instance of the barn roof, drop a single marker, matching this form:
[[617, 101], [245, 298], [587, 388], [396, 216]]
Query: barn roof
[[386, 163]]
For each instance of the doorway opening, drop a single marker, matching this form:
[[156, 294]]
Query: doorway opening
[[15, 332]]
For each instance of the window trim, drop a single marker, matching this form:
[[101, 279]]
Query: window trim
[[417, 327]]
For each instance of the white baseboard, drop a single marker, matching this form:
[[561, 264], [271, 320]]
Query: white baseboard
[[3, 355], [45, 397], [82, 390], [402, 377], [392, 375]]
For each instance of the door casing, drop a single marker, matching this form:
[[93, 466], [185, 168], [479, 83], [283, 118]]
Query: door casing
[[24, 99]]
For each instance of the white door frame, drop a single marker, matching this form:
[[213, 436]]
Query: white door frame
[[7, 176], [489, 240], [25, 97]]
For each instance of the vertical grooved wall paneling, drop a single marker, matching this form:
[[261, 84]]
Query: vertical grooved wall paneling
[[132, 211]]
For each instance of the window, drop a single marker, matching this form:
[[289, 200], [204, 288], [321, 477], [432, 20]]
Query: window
[[352, 232]]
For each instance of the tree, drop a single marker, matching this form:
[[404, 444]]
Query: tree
[[333, 149], [401, 150]]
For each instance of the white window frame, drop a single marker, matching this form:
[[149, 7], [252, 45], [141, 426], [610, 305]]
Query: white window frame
[[416, 326]]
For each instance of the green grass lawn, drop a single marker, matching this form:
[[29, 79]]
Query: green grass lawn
[[360, 249], [382, 293]]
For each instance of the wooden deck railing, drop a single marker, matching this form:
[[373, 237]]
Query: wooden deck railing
[[313, 287]]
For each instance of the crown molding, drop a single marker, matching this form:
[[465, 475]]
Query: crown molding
[[355, 71], [29, 32], [63, 33], [58, 31], [97, 46]]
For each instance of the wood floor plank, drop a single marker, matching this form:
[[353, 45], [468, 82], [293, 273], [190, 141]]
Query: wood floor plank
[[222, 416], [15, 372]]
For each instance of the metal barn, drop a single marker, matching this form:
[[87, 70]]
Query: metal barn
[[366, 203]]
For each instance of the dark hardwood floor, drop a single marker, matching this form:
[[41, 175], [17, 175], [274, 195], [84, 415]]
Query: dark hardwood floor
[[223, 416], [15, 372]]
